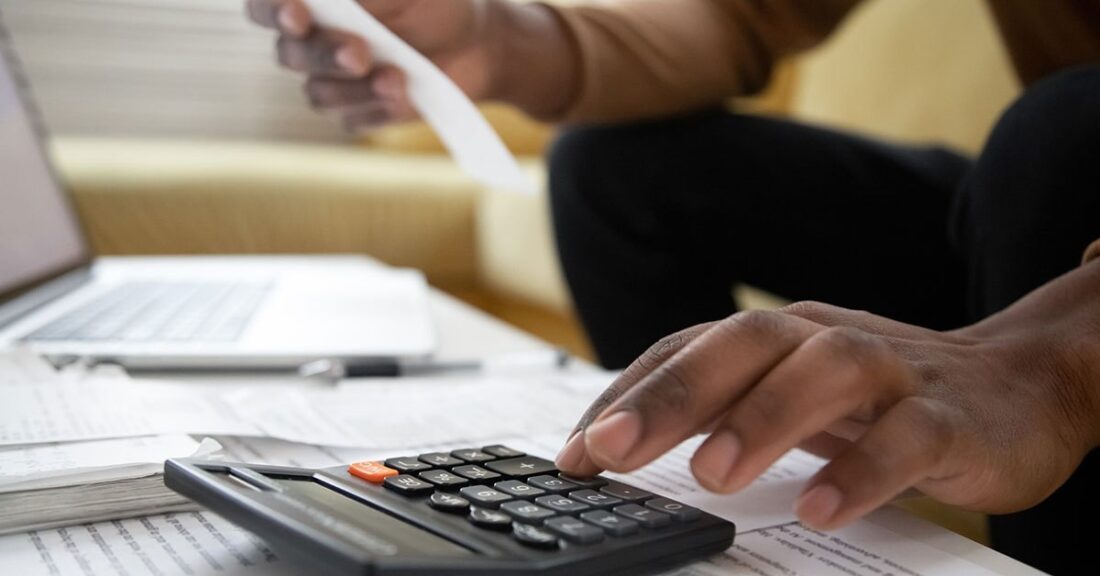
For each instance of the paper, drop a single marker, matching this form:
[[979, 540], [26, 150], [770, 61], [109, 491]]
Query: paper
[[862, 549], [766, 502], [22, 366], [196, 544], [68, 464], [469, 138], [413, 411], [98, 409], [202, 544]]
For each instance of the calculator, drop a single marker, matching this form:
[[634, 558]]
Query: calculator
[[488, 510]]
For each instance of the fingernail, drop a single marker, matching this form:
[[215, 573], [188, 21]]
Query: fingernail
[[817, 506], [570, 456], [289, 23], [350, 60], [716, 459], [615, 436], [387, 88]]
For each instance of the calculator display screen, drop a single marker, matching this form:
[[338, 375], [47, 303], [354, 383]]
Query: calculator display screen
[[365, 526]]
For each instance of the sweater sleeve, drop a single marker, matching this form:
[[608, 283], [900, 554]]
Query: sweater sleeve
[[648, 58]]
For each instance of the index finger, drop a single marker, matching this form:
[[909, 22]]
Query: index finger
[[692, 389], [571, 456], [290, 17]]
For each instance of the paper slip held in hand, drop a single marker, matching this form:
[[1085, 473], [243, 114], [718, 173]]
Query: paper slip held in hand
[[470, 139]]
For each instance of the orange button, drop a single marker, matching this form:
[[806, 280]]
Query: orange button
[[373, 472]]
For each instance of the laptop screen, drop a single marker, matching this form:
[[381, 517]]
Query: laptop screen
[[40, 236]]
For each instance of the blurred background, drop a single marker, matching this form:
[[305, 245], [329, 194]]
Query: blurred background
[[177, 133]]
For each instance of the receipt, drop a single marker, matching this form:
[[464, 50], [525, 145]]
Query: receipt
[[464, 131]]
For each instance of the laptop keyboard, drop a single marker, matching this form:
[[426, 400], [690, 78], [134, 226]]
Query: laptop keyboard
[[161, 312]]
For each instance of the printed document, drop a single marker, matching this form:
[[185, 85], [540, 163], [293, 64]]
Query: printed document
[[202, 544], [67, 464], [406, 412], [95, 409]]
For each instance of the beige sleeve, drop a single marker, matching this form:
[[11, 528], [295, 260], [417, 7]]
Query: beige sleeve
[[1093, 252], [647, 58]]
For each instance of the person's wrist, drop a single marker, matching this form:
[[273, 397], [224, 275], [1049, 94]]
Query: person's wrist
[[1051, 338], [530, 59]]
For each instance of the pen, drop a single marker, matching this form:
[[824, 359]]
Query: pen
[[338, 369]]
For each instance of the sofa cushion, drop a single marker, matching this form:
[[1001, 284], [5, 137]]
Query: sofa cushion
[[201, 197]]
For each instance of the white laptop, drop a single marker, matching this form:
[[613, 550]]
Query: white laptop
[[179, 312]]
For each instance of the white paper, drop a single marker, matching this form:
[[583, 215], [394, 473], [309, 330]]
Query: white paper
[[72, 463], [196, 544], [766, 502], [22, 366], [202, 544], [469, 138], [405, 412], [862, 549], [98, 409]]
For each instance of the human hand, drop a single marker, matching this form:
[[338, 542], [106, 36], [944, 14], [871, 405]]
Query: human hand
[[342, 78], [993, 417]]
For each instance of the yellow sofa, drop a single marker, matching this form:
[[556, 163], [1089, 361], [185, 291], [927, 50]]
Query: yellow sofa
[[906, 69]]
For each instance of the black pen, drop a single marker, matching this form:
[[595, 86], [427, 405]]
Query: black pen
[[520, 361]]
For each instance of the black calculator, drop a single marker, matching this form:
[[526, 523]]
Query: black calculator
[[489, 510]]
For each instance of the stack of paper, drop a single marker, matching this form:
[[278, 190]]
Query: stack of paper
[[45, 485]]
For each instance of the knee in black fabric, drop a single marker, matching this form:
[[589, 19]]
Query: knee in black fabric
[[1032, 200], [1042, 158]]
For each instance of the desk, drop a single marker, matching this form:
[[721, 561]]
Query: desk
[[202, 544]]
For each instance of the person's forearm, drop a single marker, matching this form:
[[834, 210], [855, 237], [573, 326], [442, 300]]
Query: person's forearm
[[536, 65]]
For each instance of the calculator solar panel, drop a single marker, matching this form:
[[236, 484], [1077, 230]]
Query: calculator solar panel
[[470, 511]]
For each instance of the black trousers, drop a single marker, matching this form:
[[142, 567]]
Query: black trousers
[[655, 222]]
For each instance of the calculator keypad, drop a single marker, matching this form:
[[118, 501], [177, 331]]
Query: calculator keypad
[[491, 519], [445, 502], [475, 473], [484, 496], [522, 467], [444, 479], [499, 488]]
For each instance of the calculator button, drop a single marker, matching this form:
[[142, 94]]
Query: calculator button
[[484, 496], [490, 519], [406, 464], [551, 484], [437, 459], [373, 472], [476, 473], [562, 504], [624, 492], [524, 466], [613, 524], [593, 483], [452, 503], [522, 511], [679, 511], [503, 451], [518, 489], [535, 537], [444, 479], [644, 516], [574, 530], [472, 455], [595, 499], [408, 485]]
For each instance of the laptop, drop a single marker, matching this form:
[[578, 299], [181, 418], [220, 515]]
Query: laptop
[[178, 312]]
